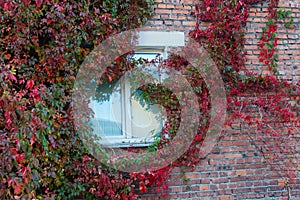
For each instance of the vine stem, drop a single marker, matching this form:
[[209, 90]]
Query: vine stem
[[287, 185]]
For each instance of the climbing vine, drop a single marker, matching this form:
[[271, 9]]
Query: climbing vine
[[273, 98]]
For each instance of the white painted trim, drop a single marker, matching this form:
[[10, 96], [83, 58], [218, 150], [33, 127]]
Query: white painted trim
[[132, 142], [161, 39]]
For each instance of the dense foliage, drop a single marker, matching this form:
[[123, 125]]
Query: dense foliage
[[42, 45]]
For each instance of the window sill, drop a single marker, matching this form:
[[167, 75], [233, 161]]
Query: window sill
[[123, 143]]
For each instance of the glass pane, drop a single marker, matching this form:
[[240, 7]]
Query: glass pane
[[148, 56], [151, 68], [146, 118], [108, 113], [146, 121]]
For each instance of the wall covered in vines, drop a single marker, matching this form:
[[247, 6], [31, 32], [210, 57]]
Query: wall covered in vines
[[256, 47]]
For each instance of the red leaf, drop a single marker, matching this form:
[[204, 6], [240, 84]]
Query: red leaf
[[11, 77], [38, 3], [29, 84], [198, 138], [7, 56], [18, 188], [26, 2], [142, 187], [8, 6], [109, 78]]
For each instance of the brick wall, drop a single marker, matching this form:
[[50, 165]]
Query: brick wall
[[288, 43], [235, 169], [172, 15]]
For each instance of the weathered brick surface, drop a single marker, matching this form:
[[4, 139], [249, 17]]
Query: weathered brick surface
[[288, 43], [235, 169]]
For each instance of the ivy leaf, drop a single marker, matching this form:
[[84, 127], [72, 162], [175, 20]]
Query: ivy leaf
[[7, 56], [26, 2], [29, 84], [38, 3]]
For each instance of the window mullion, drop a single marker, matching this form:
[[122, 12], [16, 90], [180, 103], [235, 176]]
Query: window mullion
[[126, 108]]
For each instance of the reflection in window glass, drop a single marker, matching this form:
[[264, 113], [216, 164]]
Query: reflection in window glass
[[146, 119], [107, 119], [151, 68]]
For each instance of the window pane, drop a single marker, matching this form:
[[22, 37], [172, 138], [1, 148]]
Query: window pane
[[146, 121], [151, 68], [108, 114], [148, 56]]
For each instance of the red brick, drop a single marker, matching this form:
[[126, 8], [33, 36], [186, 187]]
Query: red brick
[[185, 23], [203, 187], [170, 6], [233, 156], [241, 172], [162, 11], [181, 17], [161, 5], [224, 198]]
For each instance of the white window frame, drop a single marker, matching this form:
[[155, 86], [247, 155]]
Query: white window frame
[[149, 42]]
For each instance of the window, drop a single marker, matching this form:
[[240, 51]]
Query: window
[[124, 120]]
